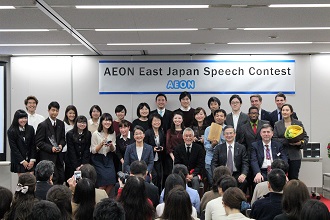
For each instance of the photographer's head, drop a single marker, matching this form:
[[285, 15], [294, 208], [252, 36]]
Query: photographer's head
[[88, 171], [44, 170], [180, 169], [139, 168]]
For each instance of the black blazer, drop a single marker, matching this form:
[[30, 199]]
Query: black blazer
[[274, 117], [258, 156], [246, 136], [242, 119], [20, 149], [240, 157], [166, 119], [265, 115], [150, 139], [42, 188], [78, 149], [121, 145], [46, 130], [196, 160]]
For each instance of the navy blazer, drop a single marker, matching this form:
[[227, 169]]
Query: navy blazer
[[150, 139], [265, 115], [274, 117], [45, 130], [131, 156], [258, 156], [240, 157], [196, 160]]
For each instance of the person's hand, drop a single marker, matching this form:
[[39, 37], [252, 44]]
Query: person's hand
[[72, 183], [258, 178], [78, 168], [241, 178], [122, 161], [30, 165], [214, 143], [25, 164], [201, 139], [121, 184], [54, 149]]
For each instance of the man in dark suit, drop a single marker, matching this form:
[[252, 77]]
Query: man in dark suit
[[236, 118], [264, 152], [256, 100], [50, 139], [234, 156], [161, 101], [276, 115], [193, 156]]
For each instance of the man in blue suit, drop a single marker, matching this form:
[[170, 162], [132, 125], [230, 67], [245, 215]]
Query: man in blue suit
[[264, 152]]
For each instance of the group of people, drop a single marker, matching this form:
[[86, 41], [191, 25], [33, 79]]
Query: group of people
[[246, 144]]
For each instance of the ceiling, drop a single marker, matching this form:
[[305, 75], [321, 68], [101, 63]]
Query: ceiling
[[76, 34]]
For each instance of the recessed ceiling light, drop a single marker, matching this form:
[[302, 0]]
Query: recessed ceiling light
[[285, 28], [23, 30], [248, 43], [145, 44], [35, 54], [28, 45], [299, 6], [138, 6], [149, 29], [7, 7]]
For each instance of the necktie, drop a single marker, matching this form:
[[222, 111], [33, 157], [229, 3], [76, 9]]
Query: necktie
[[280, 115], [188, 152], [230, 163], [161, 112], [268, 157], [255, 128], [54, 126]]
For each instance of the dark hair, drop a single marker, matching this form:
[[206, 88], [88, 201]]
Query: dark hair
[[44, 170], [106, 116], [253, 107], [61, 196], [280, 94], [23, 201], [6, 198], [233, 197], [152, 116], [171, 181], [217, 174], [97, 108], [108, 209], [140, 106], [277, 179], [177, 205], [228, 127], [290, 107], [295, 194], [73, 108], [124, 123], [197, 110], [18, 115], [84, 195], [54, 104], [226, 182], [134, 200], [219, 110], [280, 164], [256, 96], [76, 135], [180, 168], [161, 94], [213, 99], [172, 123], [119, 108], [29, 98], [138, 127], [184, 94], [235, 96], [88, 171], [138, 167], [314, 210], [45, 210]]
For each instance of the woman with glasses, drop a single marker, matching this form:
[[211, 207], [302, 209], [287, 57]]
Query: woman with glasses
[[78, 142]]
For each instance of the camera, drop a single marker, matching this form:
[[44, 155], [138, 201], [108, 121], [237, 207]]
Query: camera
[[123, 176], [109, 142], [77, 175], [159, 148]]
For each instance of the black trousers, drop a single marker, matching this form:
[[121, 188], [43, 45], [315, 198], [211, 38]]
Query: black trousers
[[294, 168]]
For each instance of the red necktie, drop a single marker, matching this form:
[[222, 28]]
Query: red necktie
[[255, 128], [268, 157]]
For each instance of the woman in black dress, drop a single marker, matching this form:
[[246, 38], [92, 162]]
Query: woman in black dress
[[22, 144], [78, 141]]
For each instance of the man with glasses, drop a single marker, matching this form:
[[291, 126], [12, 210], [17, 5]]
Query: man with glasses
[[234, 156]]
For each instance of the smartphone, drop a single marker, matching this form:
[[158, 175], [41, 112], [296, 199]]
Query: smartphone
[[77, 175], [109, 142]]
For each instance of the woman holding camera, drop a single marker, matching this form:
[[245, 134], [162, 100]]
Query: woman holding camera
[[292, 149], [102, 148]]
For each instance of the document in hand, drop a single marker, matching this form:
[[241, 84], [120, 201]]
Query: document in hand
[[215, 132]]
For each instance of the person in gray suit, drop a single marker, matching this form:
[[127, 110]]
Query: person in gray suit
[[236, 118], [292, 149], [139, 151]]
